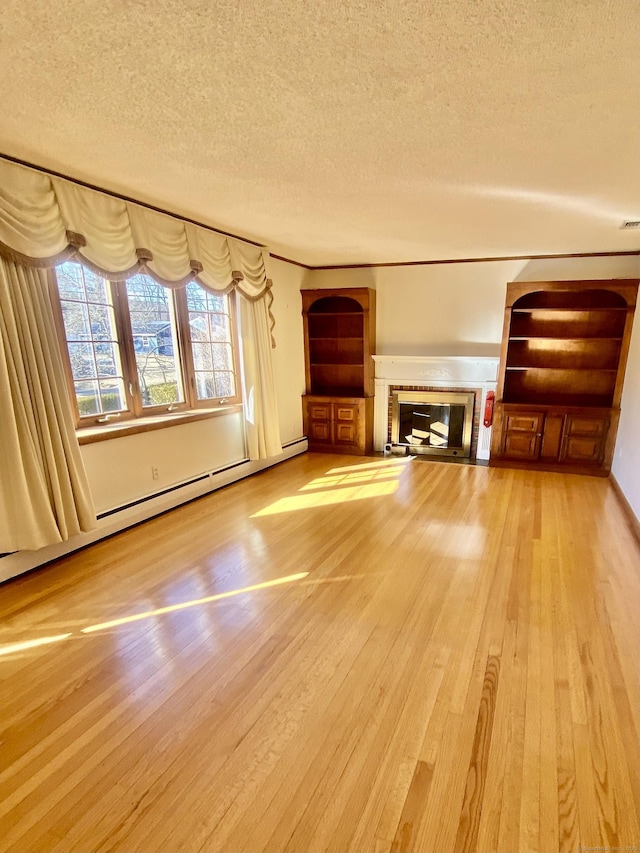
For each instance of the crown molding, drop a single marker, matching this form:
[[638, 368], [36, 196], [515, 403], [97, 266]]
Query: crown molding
[[475, 260], [310, 267]]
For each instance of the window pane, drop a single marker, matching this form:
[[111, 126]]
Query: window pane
[[205, 385], [108, 359], [219, 327], [202, 357], [210, 330], [92, 340], [88, 397], [96, 287], [112, 395], [101, 322], [70, 281], [196, 298], [222, 356], [224, 385], [76, 321], [83, 365], [199, 325], [155, 341]]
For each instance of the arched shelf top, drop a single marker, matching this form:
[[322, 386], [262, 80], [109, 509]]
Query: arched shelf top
[[336, 305], [570, 300]]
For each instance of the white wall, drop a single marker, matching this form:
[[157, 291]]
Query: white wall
[[626, 459], [288, 356], [448, 309], [119, 469], [458, 309]]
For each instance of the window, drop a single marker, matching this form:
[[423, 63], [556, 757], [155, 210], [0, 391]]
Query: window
[[211, 343], [135, 348], [154, 332]]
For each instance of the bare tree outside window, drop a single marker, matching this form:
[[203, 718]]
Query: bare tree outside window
[[155, 342], [211, 343], [92, 340], [135, 348]]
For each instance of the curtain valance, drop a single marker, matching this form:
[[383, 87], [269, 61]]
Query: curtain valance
[[45, 219]]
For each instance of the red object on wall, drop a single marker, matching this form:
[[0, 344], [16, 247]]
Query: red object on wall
[[488, 408]]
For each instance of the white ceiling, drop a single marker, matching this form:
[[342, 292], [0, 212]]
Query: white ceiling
[[342, 131]]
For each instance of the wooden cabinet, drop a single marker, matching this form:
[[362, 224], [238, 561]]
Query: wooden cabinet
[[522, 436], [554, 436], [562, 366], [339, 338], [339, 424]]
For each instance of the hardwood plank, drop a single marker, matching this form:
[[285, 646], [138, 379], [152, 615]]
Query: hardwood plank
[[467, 836], [454, 665]]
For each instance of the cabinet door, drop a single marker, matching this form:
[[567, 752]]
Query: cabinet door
[[552, 437], [345, 423], [319, 422], [584, 439], [522, 435]]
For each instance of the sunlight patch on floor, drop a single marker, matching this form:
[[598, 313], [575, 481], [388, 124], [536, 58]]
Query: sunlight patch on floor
[[354, 482], [173, 607], [329, 498], [160, 611], [353, 477], [31, 644], [388, 464]]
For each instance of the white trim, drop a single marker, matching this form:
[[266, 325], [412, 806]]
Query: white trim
[[432, 371]]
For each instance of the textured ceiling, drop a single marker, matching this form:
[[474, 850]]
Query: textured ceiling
[[346, 131]]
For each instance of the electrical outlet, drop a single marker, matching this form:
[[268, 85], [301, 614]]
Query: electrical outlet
[[155, 473]]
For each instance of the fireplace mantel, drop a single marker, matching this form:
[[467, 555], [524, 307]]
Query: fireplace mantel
[[427, 371]]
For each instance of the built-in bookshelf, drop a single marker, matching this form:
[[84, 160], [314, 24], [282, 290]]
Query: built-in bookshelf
[[562, 367], [339, 332]]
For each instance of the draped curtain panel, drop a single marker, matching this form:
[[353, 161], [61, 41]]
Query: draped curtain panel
[[44, 493], [45, 220], [261, 418]]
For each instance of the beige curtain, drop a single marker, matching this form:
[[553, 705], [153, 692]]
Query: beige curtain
[[261, 413], [44, 493], [44, 220]]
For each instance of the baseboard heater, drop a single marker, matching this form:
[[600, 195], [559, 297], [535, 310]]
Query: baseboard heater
[[134, 512], [168, 490]]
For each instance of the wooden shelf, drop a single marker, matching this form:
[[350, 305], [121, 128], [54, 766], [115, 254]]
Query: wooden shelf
[[561, 339], [334, 392], [344, 313], [564, 352], [339, 335], [561, 369], [564, 401], [333, 364], [576, 311], [591, 327]]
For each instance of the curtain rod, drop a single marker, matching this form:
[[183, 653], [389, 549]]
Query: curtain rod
[[89, 186]]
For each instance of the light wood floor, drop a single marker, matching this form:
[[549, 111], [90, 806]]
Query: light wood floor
[[448, 662]]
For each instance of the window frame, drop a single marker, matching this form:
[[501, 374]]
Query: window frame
[[136, 412], [184, 329]]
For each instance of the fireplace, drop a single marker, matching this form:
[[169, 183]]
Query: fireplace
[[435, 423], [450, 375]]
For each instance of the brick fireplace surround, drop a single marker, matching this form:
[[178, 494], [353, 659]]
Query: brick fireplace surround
[[434, 373]]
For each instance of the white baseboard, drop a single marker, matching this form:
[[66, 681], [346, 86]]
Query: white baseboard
[[119, 519]]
